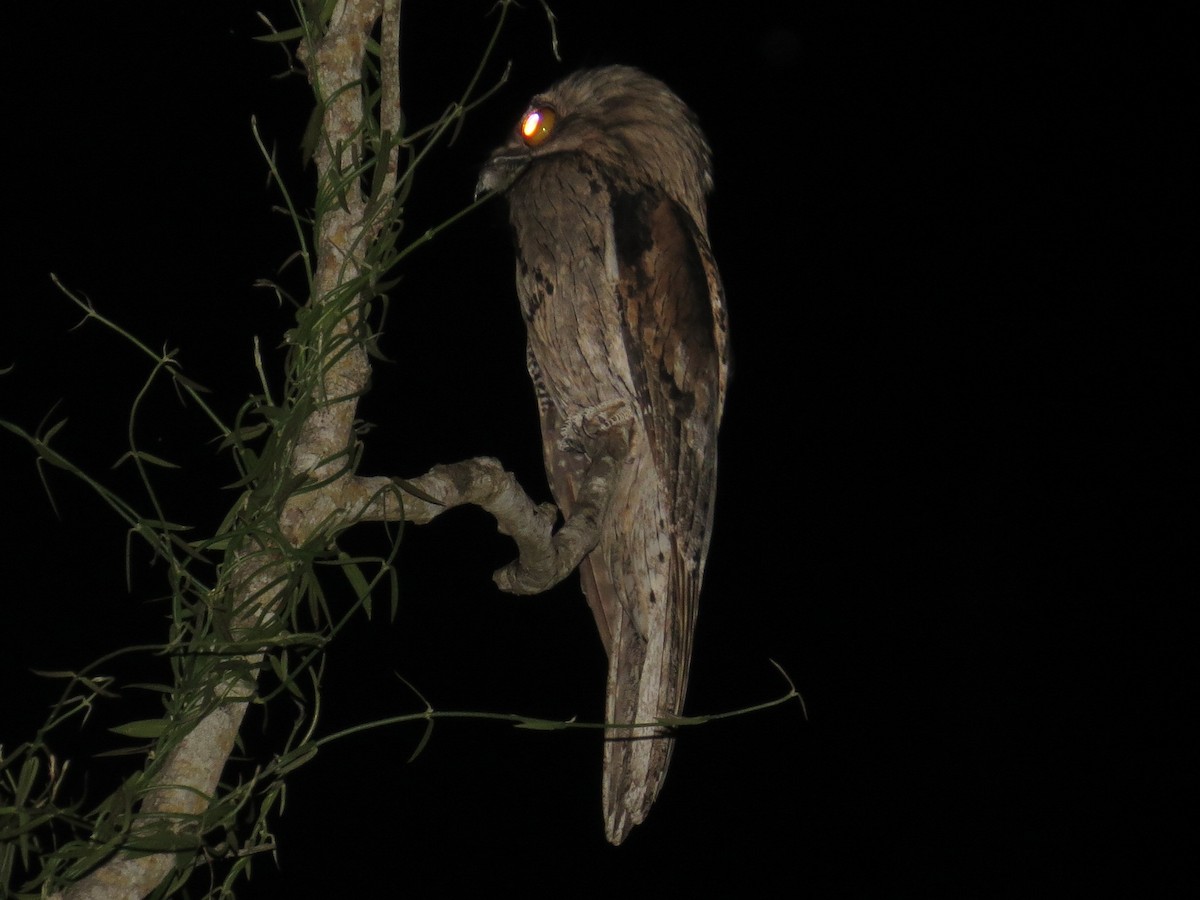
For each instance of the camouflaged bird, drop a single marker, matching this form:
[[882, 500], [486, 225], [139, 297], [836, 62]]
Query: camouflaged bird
[[606, 176]]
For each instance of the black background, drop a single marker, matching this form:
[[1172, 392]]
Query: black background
[[919, 484]]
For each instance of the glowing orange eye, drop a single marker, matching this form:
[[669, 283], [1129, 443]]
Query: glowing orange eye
[[537, 125]]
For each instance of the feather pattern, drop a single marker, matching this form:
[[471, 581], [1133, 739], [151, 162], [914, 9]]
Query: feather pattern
[[627, 329]]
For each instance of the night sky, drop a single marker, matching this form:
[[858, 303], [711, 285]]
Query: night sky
[[915, 486]]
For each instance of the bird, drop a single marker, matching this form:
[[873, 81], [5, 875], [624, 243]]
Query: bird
[[607, 175]]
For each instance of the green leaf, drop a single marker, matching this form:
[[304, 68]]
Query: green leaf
[[160, 525], [142, 728], [424, 740], [282, 37], [409, 488], [145, 457], [543, 724], [297, 758], [188, 383], [29, 772], [354, 575]]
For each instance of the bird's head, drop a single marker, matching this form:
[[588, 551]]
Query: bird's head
[[621, 117]]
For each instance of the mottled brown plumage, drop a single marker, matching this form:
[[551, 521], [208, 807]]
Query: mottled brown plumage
[[606, 177]]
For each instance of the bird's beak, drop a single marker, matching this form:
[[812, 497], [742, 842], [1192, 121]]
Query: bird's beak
[[501, 170]]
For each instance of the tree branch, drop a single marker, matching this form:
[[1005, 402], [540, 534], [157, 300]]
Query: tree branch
[[544, 557], [181, 788], [317, 490]]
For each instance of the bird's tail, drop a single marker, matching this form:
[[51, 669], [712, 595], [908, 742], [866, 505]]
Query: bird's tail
[[644, 686]]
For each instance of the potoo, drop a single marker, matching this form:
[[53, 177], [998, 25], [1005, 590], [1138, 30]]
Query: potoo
[[606, 176]]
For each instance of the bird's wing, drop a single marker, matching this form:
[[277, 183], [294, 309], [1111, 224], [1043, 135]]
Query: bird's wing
[[674, 335]]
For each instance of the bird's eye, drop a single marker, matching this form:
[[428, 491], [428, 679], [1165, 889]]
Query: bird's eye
[[537, 125]]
